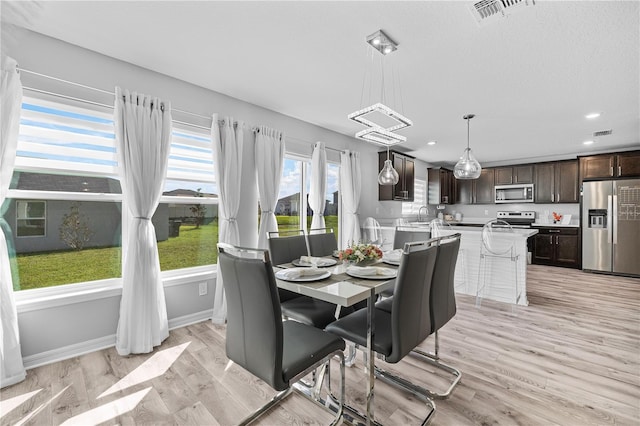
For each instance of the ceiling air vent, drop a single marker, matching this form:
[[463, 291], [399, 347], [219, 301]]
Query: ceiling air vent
[[486, 11], [602, 133]]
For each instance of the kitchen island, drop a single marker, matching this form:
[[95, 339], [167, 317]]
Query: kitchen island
[[500, 273]]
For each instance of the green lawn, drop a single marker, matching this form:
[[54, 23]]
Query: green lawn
[[286, 223], [194, 247]]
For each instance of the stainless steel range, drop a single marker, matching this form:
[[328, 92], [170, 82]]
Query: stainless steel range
[[522, 219]]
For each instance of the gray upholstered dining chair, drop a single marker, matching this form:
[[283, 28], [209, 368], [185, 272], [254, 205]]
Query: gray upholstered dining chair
[[322, 242], [406, 325], [304, 309], [406, 234], [285, 248], [442, 305], [278, 352]]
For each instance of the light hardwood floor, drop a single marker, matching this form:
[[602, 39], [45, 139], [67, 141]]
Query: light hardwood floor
[[572, 357]]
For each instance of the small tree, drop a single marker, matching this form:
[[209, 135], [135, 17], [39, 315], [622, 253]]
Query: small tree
[[198, 210], [74, 229]]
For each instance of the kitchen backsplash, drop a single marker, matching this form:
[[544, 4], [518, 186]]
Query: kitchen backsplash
[[489, 211]]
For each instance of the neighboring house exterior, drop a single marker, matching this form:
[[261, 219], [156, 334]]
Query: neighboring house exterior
[[35, 224], [290, 205], [183, 213]]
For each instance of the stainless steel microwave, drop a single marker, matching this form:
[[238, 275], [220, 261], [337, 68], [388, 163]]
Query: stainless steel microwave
[[520, 193]]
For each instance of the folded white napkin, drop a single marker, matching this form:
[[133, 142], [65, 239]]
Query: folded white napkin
[[393, 255], [368, 270], [293, 274], [310, 260]]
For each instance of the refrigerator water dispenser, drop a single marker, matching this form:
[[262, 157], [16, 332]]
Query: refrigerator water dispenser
[[597, 218]]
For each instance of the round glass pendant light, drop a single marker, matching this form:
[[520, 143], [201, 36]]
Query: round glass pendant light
[[468, 167], [388, 175]]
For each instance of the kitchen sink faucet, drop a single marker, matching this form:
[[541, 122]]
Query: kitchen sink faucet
[[420, 213]]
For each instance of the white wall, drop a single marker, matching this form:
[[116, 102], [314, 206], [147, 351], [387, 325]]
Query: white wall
[[58, 331]]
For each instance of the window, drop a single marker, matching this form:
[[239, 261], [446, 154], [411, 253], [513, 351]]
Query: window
[[419, 199], [292, 209], [65, 190], [294, 187], [31, 217], [187, 217]]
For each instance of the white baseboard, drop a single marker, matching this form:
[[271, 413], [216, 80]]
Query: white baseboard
[[66, 352], [185, 320], [77, 349]]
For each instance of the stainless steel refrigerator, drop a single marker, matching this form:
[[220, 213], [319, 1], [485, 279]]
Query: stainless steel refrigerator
[[611, 226]]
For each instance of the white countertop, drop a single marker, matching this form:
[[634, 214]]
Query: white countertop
[[556, 225], [515, 232]]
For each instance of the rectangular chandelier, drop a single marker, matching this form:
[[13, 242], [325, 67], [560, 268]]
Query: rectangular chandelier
[[375, 132]]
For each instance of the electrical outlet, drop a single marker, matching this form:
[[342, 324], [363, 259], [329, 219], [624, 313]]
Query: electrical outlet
[[202, 289], [486, 212]]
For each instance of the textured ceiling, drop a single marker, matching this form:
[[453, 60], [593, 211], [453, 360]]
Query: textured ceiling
[[530, 78]]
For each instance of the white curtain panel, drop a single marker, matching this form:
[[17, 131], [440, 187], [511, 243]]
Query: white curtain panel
[[318, 185], [350, 184], [11, 367], [143, 138], [269, 164], [228, 138]]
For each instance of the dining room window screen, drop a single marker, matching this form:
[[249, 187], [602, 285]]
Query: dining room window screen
[[66, 175], [292, 210]]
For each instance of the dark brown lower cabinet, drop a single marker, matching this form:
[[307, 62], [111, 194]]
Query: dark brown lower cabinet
[[557, 247]]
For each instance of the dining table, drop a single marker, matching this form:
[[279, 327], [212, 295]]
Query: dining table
[[343, 285]]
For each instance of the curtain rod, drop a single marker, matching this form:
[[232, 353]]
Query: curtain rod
[[90, 88], [86, 101], [340, 151]]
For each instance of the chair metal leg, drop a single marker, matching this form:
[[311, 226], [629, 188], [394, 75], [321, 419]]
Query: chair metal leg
[[269, 405], [332, 403], [481, 281], [410, 387]]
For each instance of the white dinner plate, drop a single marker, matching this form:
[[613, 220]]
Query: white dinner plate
[[303, 274], [322, 262], [383, 274], [391, 262]]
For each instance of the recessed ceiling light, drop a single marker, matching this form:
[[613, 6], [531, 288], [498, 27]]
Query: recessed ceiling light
[[588, 142], [432, 142], [592, 115]]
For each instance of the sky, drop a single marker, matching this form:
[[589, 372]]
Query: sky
[[82, 140]]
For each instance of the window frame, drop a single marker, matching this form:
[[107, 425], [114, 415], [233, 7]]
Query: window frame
[[306, 174], [43, 218], [42, 297]]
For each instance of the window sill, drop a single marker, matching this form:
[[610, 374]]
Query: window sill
[[48, 297]]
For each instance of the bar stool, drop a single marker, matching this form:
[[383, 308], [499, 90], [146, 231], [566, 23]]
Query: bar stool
[[495, 245], [371, 232]]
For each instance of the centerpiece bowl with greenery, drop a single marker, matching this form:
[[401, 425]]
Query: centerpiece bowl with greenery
[[360, 254]]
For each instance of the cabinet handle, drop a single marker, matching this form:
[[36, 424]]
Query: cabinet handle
[[557, 239], [558, 197], [554, 230], [552, 197], [619, 170], [611, 171]]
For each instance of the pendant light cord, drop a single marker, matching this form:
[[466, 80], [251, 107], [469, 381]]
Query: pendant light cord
[[468, 133]]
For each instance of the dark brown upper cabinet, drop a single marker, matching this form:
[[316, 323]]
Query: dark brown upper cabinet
[[476, 191], [514, 174], [405, 166], [556, 182], [442, 186], [610, 166]]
